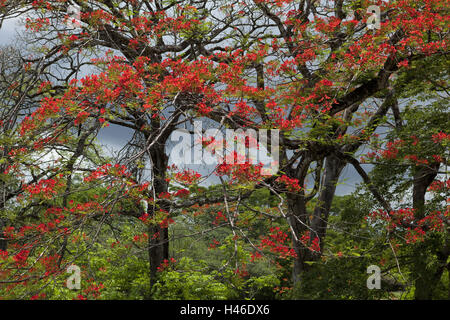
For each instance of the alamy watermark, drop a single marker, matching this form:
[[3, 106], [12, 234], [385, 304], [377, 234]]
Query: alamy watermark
[[74, 16], [237, 147], [374, 20], [74, 281], [374, 280]]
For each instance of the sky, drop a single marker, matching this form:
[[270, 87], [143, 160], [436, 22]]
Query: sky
[[8, 31]]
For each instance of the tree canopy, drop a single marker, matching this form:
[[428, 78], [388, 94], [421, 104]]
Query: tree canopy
[[327, 87]]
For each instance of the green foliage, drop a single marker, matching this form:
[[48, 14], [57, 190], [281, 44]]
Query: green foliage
[[192, 280]]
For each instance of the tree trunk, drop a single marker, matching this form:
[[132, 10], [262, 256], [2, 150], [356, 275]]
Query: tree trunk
[[426, 276], [158, 237], [3, 241], [297, 211], [318, 224]]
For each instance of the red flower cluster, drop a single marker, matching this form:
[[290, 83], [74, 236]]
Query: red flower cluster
[[276, 242], [108, 169], [46, 188], [219, 216], [240, 172], [404, 220], [187, 177], [290, 183], [214, 244], [311, 245], [165, 264], [391, 150], [438, 185], [140, 238], [21, 258], [182, 193], [441, 136]]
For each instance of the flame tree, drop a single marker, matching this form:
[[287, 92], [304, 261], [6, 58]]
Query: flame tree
[[319, 71]]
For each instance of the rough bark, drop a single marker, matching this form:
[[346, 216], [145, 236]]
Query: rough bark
[[319, 222], [297, 212], [426, 276], [158, 236], [3, 241]]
